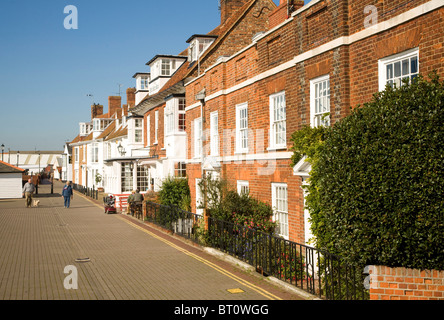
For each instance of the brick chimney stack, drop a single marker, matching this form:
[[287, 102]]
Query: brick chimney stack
[[114, 104], [96, 110], [131, 97], [229, 7], [283, 11]]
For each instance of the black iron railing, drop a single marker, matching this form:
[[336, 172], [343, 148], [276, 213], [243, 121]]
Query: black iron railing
[[180, 222], [89, 192], [315, 271]]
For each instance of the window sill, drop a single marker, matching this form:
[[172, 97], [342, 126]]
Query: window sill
[[276, 148]]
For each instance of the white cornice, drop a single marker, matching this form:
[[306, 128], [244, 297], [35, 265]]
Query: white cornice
[[334, 44]]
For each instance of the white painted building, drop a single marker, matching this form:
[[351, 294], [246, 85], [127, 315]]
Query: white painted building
[[10, 181], [34, 161]]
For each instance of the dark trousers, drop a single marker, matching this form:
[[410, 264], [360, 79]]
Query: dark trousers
[[67, 201]]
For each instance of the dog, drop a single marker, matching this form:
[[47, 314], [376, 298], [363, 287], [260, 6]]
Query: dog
[[36, 203]]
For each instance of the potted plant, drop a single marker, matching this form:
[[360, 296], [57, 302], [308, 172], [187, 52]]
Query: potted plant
[[99, 180]]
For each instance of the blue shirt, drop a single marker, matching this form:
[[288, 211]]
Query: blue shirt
[[67, 191]]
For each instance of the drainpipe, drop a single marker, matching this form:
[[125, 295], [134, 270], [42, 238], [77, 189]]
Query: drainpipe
[[201, 97]]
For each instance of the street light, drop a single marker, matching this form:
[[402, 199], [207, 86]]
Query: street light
[[18, 153], [3, 149], [121, 149]]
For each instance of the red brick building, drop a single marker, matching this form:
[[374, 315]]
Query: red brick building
[[310, 66], [163, 107]]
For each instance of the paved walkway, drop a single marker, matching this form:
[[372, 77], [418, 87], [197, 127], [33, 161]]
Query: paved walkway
[[128, 260]]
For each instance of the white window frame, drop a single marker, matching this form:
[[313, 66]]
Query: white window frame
[[83, 130], [320, 96], [278, 123], [180, 169], [198, 137], [148, 126], [279, 192], [242, 128], [199, 197], [169, 117], [144, 83], [181, 111], [197, 47], [214, 133], [392, 60], [165, 67], [76, 154], [94, 153], [156, 125], [108, 150], [138, 130], [243, 186]]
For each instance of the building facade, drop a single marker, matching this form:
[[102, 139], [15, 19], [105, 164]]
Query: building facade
[[229, 103], [311, 67]]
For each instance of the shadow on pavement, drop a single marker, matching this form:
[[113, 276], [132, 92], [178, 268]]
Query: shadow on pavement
[[47, 195]]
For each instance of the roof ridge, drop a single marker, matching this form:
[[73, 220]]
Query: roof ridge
[[11, 165]]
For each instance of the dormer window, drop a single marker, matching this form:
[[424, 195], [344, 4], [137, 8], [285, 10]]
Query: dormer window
[[198, 45], [144, 83], [162, 68], [96, 124], [174, 115], [83, 129], [166, 67], [100, 124]]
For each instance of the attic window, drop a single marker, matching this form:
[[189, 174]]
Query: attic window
[[166, 67], [198, 45]]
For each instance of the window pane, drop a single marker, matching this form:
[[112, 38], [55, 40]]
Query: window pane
[[414, 65], [405, 67], [397, 69]]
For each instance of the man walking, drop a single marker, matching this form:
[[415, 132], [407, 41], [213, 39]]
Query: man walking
[[28, 190], [67, 193]]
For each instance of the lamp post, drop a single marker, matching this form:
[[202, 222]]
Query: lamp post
[[3, 149], [18, 153]]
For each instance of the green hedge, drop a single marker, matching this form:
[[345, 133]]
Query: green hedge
[[175, 191], [376, 186]]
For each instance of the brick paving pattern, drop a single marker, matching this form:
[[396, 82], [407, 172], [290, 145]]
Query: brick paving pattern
[[37, 244]]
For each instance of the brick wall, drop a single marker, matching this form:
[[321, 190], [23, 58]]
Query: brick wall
[[353, 73], [405, 284]]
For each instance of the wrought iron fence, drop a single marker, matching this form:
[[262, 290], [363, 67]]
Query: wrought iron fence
[[181, 222], [89, 192], [315, 271]]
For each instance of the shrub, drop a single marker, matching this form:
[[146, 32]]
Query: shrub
[[376, 185], [228, 205], [175, 191]]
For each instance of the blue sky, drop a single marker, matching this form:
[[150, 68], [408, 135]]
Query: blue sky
[[47, 71]]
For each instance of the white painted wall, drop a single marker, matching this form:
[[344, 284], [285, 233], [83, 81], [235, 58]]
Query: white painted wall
[[10, 185]]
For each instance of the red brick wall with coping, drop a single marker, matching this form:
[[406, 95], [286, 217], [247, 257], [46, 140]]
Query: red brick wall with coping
[[405, 284]]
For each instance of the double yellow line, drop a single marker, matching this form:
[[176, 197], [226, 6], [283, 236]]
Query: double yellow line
[[261, 291]]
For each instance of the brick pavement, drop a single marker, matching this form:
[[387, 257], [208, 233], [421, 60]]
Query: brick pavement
[[129, 260]]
